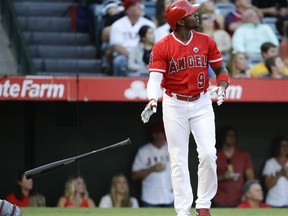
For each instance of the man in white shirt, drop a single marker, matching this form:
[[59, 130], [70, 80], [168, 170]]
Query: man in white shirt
[[151, 166], [124, 34]]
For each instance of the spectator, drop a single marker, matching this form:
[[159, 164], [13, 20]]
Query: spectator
[[249, 37], [221, 37], [253, 194], [275, 174], [237, 65], [283, 49], [75, 194], [37, 200], [233, 20], [112, 11], [138, 60], [271, 7], [151, 166], [163, 27], [23, 189], [276, 68], [234, 167], [119, 195], [268, 49], [208, 7], [124, 35], [160, 8]]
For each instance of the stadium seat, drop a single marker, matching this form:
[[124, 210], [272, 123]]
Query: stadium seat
[[271, 21], [150, 8], [225, 7]]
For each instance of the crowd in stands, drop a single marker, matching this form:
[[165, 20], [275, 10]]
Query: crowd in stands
[[239, 27], [238, 186]]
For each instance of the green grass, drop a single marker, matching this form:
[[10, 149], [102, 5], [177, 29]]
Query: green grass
[[146, 212]]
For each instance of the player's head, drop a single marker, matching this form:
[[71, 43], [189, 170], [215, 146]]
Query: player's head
[[179, 10]]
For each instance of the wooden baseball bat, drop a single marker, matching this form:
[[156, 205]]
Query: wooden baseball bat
[[58, 164]]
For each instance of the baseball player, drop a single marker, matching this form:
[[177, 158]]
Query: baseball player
[[179, 65]]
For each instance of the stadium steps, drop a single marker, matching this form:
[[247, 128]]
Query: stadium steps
[[54, 47], [56, 38], [65, 52], [66, 65]]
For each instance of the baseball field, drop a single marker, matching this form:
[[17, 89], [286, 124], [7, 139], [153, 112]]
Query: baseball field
[[146, 212]]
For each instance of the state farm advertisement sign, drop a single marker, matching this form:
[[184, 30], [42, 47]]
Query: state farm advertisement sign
[[38, 88], [123, 89], [133, 89]]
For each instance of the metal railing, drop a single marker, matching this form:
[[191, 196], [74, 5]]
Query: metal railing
[[16, 40]]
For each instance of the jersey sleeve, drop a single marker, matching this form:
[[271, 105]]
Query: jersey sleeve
[[214, 55], [157, 61]]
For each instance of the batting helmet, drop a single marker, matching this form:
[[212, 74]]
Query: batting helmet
[[177, 10]]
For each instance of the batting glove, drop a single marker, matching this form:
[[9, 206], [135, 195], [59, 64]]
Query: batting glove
[[221, 93], [150, 108]]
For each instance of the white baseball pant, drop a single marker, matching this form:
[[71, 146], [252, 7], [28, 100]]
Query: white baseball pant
[[180, 118]]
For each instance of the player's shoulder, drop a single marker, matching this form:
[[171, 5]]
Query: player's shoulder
[[201, 35], [120, 22], [163, 42]]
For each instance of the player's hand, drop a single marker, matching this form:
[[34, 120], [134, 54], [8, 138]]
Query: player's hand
[[150, 108], [221, 93]]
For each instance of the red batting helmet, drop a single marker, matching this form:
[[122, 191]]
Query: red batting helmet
[[177, 10]]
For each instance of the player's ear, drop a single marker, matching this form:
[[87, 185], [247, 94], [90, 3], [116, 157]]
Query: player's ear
[[180, 22]]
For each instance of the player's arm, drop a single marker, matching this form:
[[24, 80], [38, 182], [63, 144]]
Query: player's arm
[[153, 93], [223, 80]]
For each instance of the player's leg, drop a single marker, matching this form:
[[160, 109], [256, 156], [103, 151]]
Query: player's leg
[[203, 130], [177, 129]]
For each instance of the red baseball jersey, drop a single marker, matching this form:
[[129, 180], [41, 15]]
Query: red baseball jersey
[[185, 65]]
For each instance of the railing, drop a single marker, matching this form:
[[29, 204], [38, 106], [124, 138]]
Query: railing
[[18, 46]]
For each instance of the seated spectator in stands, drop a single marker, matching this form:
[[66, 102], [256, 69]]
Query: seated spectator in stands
[[163, 27], [208, 7], [283, 48], [275, 174], [160, 9], [268, 49], [253, 195], [234, 167], [119, 195], [151, 166], [221, 37], [237, 65], [37, 200], [22, 192], [276, 68], [138, 61], [249, 37], [234, 19], [112, 11], [271, 7], [280, 25], [75, 194], [124, 34]]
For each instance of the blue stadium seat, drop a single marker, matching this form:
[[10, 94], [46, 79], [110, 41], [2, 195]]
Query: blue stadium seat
[[225, 7], [271, 21], [150, 8]]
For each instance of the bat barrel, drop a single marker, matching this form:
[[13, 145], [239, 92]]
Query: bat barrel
[[55, 165]]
